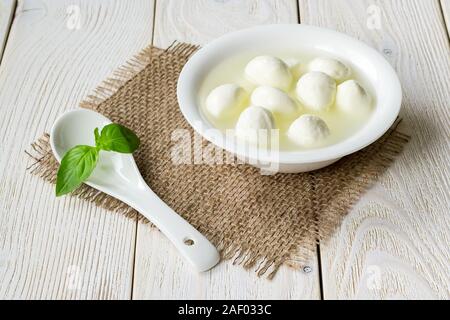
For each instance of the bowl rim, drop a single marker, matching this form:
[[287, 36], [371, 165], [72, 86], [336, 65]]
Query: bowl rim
[[187, 100]]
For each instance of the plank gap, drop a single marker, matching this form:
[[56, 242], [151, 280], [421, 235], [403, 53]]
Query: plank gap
[[8, 27], [319, 264], [133, 267], [297, 6], [155, 3], [445, 19]]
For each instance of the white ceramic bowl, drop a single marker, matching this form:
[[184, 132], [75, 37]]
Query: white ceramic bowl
[[291, 38]]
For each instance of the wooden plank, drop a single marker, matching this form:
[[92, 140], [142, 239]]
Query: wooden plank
[[7, 8], [394, 244], [201, 21], [57, 53], [445, 6], [160, 271]]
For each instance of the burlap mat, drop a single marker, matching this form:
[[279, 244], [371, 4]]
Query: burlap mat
[[259, 221]]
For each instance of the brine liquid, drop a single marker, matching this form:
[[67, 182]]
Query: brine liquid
[[342, 125]]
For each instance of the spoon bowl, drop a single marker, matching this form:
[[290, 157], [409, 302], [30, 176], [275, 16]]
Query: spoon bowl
[[76, 127], [117, 175]]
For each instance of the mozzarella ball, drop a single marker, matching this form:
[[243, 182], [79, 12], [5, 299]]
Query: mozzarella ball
[[224, 100], [254, 123], [308, 130], [351, 97], [269, 71], [334, 68], [316, 90], [274, 100], [295, 66]]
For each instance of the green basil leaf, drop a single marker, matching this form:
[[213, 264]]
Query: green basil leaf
[[97, 136], [115, 137], [76, 166]]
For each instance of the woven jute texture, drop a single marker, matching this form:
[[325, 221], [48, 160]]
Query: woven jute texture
[[259, 221]]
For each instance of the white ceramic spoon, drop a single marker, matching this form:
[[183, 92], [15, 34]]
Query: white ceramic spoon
[[116, 174]]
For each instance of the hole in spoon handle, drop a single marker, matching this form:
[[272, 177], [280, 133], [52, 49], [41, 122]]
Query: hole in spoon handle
[[197, 249], [192, 245]]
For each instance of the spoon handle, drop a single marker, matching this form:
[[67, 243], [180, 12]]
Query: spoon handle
[[190, 243]]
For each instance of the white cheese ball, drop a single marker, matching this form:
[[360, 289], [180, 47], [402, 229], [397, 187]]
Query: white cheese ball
[[274, 100], [254, 123], [316, 90], [332, 67], [269, 71], [351, 97], [308, 130], [224, 100]]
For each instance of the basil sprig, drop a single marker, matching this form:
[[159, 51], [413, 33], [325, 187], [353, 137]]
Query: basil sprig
[[79, 162], [116, 138]]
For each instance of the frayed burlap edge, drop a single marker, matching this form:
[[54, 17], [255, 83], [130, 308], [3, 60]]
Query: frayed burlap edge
[[383, 153]]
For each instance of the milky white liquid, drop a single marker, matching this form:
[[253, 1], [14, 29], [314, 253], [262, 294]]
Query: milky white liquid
[[342, 125]]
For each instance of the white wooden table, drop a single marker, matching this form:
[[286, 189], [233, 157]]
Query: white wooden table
[[394, 244]]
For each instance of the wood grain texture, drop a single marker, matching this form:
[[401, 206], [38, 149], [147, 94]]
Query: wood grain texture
[[203, 20], [160, 272], [7, 8], [395, 243], [58, 51]]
